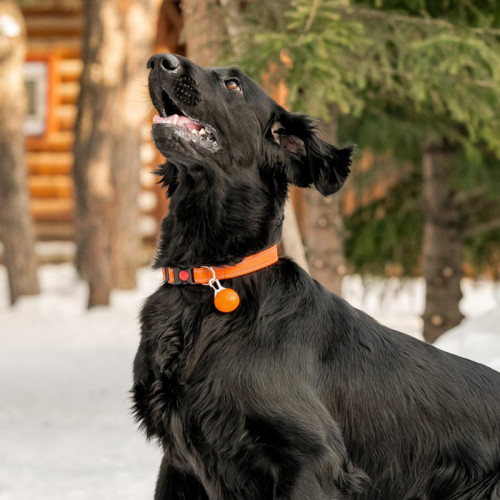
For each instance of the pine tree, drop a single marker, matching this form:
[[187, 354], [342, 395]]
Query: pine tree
[[423, 75], [446, 87]]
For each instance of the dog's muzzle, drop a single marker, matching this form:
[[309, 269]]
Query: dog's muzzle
[[184, 89]]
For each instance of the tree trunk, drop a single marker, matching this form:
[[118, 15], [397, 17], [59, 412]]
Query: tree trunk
[[442, 245], [325, 228], [234, 23], [203, 23], [117, 43], [103, 53], [137, 18], [15, 220]]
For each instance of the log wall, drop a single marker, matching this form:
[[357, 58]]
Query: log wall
[[54, 36]]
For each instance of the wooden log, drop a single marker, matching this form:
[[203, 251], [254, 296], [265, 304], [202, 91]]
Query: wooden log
[[42, 26], [51, 186], [57, 9], [69, 69], [65, 114], [50, 231], [68, 91], [60, 141], [49, 162], [53, 210], [46, 45]]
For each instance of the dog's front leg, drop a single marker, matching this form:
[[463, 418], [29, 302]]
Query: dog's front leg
[[306, 450], [173, 484]]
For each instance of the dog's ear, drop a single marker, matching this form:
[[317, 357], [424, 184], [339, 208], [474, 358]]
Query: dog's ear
[[310, 160]]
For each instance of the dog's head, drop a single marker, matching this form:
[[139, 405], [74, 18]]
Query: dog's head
[[232, 152], [220, 120]]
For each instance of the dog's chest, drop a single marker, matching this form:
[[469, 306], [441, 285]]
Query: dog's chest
[[186, 400]]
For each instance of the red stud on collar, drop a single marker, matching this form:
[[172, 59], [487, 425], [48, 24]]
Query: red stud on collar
[[183, 275]]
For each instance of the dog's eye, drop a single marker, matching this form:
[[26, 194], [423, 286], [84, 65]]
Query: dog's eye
[[233, 84]]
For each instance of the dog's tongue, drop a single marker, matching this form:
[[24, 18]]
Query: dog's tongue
[[180, 121]]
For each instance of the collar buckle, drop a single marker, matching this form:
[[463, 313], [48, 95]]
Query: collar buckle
[[183, 276]]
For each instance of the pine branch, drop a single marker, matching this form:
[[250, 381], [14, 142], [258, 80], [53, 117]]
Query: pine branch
[[416, 20], [482, 228], [312, 15], [463, 197]]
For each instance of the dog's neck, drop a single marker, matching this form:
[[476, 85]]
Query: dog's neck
[[218, 227]]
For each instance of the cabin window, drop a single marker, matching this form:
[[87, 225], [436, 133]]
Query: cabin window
[[36, 78]]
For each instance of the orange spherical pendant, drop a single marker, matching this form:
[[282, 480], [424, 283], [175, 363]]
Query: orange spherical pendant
[[226, 300]]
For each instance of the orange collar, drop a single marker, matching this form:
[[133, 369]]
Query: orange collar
[[203, 275]]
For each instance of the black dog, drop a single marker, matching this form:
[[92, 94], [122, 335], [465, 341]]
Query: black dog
[[295, 394]]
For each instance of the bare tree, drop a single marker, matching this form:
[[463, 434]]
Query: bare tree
[[15, 221]]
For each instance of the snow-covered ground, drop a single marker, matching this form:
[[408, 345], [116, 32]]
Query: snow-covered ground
[[66, 432]]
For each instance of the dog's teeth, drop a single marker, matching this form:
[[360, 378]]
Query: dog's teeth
[[176, 119], [202, 131]]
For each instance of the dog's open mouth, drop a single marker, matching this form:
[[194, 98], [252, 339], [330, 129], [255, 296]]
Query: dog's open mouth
[[189, 128]]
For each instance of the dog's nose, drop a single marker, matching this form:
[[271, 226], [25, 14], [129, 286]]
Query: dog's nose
[[165, 62]]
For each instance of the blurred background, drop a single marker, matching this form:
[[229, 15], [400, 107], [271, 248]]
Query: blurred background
[[413, 237]]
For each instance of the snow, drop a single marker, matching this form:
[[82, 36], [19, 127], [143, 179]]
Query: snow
[[66, 430], [477, 338]]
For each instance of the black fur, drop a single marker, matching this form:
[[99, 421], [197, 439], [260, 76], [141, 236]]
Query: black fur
[[296, 394]]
